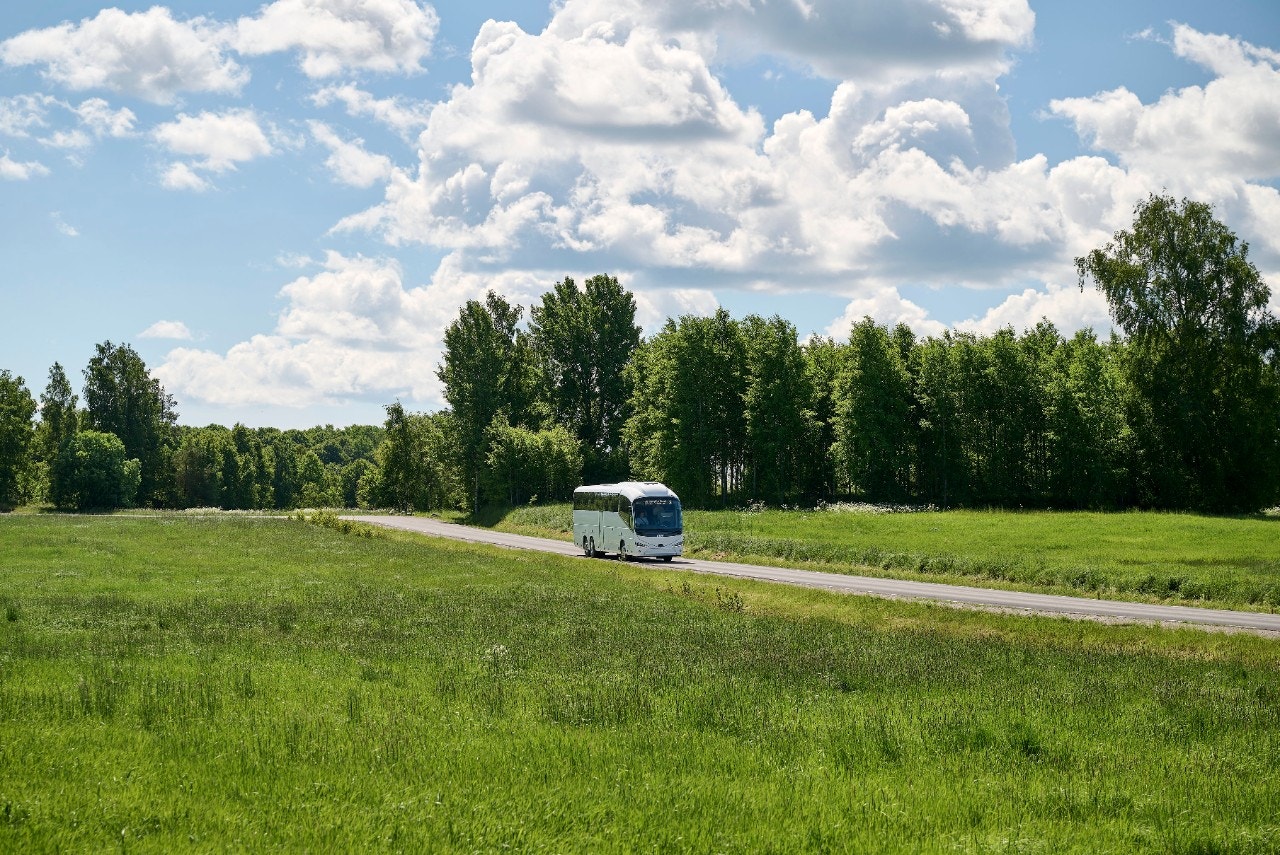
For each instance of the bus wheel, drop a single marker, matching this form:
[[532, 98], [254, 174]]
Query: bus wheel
[[666, 558]]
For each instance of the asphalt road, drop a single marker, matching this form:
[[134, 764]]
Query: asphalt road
[[1079, 607]]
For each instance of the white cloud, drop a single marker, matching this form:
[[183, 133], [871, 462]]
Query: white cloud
[[21, 114], [1068, 307], [888, 308], [13, 170], [349, 162], [863, 40], [64, 228], [352, 330], [167, 329], [338, 36], [96, 115], [404, 116], [179, 176], [148, 54], [217, 142], [1225, 130]]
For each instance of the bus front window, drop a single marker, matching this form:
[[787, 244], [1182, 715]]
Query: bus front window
[[657, 517]]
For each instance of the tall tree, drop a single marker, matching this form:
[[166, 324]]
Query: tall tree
[[124, 399], [412, 467], [17, 408], [873, 420], [487, 370], [1202, 359], [778, 408], [688, 424], [584, 339], [58, 417], [1088, 435]]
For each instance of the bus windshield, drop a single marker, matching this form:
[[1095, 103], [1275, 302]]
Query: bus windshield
[[657, 516]]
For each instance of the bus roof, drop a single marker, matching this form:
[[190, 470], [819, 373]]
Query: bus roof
[[631, 489]]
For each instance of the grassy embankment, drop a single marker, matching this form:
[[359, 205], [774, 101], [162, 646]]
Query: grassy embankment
[[1230, 562], [243, 683]]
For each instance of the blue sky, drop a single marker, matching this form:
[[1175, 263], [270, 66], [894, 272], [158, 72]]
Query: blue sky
[[282, 204]]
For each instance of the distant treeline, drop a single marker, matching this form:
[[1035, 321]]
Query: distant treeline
[[1182, 412]]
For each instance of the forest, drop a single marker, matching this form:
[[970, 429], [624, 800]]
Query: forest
[[1180, 410]]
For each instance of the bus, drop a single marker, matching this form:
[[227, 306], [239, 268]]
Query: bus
[[634, 519]]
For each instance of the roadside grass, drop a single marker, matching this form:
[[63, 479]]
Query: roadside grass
[[1227, 562], [250, 683]]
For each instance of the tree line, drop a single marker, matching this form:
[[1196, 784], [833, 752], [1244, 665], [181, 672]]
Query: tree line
[[124, 448], [1182, 411]]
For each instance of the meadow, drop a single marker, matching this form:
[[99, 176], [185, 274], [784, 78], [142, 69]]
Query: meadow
[[1188, 559], [230, 682]]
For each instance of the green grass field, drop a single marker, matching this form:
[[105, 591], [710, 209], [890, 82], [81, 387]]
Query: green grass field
[[235, 683], [1231, 562]]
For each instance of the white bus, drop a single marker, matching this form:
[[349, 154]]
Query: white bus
[[635, 519]]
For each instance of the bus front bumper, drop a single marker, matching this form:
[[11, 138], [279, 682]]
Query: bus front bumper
[[656, 547]]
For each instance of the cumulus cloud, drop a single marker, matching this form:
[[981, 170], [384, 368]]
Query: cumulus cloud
[[348, 161], [179, 176], [215, 142], [96, 115], [20, 115], [857, 40], [403, 115], [1068, 307], [147, 54], [14, 170], [167, 329], [1225, 129], [338, 36], [888, 308], [352, 330]]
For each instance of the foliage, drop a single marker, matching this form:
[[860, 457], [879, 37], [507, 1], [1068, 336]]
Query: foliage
[[584, 339], [413, 468], [195, 683], [1201, 358], [688, 427], [529, 465], [487, 369], [124, 399], [93, 472], [16, 435], [874, 425]]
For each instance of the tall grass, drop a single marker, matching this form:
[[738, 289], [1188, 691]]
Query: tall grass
[[265, 684], [1186, 558]]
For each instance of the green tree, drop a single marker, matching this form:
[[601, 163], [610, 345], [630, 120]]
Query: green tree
[[124, 399], [487, 369], [58, 416], [688, 423], [874, 428], [943, 475], [1088, 434], [199, 464], [93, 472], [583, 339], [778, 403], [824, 360], [1201, 360], [528, 464], [17, 408], [412, 468]]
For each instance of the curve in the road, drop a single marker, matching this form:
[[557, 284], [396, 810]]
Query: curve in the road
[[869, 585]]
